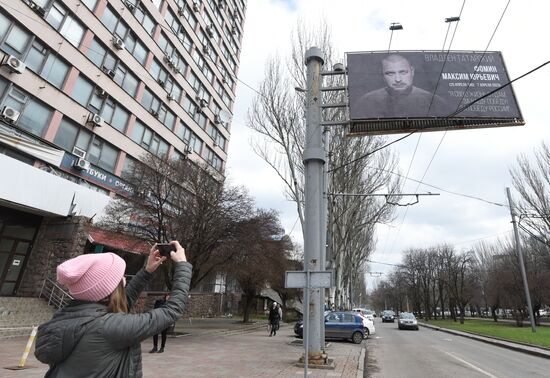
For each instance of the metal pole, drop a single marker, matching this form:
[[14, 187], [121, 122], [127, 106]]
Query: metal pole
[[520, 258], [314, 160], [305, 331], [323, 226]]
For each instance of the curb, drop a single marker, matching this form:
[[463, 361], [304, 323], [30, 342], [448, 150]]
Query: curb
[[361, 364], [532, 350]]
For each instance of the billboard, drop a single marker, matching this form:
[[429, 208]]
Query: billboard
[[404, 91]]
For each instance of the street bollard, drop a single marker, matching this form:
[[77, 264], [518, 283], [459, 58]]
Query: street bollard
[[28, 348]]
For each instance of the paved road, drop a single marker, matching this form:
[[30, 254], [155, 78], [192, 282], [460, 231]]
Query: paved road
[[427, 353]]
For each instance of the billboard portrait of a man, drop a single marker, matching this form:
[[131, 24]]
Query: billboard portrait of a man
[[399, 97]]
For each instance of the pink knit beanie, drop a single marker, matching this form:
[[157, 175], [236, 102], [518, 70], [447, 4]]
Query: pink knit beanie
[[91, 277]]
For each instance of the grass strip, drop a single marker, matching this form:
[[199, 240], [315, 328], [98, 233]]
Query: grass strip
[[501, 330]]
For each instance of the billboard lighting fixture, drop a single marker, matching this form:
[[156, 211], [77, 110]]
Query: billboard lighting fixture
[[452, 19], [396, 26], [298, 89]]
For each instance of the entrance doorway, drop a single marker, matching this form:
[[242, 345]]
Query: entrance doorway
[[17, 233]]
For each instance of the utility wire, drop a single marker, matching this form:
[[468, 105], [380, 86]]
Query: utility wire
[[484, 52], [427, 114], [441, 189], [446, 117]]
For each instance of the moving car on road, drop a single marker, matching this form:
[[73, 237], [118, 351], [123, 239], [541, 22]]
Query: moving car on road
[[388, 316], [407, 320]]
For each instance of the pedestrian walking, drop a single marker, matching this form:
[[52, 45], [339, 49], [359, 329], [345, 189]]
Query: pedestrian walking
[[95, 335], [159, 303], [274, 318]]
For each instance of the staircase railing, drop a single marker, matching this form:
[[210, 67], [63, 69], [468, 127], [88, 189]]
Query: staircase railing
[[54, 294]]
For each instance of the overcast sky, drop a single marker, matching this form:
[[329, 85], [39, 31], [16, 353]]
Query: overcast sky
[[472, 162]]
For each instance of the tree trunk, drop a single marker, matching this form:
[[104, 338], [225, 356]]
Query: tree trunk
[[494, 313]]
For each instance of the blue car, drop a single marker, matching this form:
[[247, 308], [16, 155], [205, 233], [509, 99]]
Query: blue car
[[340, 325]]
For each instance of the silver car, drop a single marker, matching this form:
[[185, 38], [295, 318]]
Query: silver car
[[407, 320]]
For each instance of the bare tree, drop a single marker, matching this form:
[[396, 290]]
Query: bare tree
[[532, 180], [184, 201], [278, 116]]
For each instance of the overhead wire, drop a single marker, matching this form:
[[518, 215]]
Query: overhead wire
[[428, 112]]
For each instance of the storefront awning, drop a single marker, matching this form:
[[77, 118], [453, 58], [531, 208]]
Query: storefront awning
[[118, 241]]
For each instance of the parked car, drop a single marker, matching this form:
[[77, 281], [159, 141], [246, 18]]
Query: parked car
[[341, 325], [388, 316], [369, 314], [407, 320], [368, 323]]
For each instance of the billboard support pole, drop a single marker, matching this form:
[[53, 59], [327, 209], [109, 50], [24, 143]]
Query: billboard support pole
[[314, 161], [520, 258]]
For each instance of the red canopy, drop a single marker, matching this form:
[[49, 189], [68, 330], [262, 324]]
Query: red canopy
[[118, 241]]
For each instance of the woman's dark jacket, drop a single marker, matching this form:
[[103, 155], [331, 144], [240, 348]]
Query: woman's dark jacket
[[84, 340], [274, 316]]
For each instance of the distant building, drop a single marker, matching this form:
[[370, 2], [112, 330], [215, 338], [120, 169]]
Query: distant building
[[86, 89]]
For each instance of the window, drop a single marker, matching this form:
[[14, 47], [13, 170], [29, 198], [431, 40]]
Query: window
[[127, 80], [213, 159], [98, 152], [145, 19], [34, 117], [82, 91], [16, 41], [128, 167], [147, 139], [189, 106], [68, 26], [97, 101], [90, 4], [157, 4], [115, 115], [119, 28], [187, 14], [54, 70], [200, 119], [189, 137], [103, 58], [96, 52]]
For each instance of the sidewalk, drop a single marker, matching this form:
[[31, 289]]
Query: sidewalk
[[524, 348], [217, 348]]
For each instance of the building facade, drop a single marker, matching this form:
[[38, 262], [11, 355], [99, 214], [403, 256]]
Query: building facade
[[86, 89]]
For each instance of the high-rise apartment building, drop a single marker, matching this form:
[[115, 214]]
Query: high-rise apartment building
[[87, 87]]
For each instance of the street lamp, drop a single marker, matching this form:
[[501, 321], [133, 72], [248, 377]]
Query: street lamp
[[394, 26], [452, 19]]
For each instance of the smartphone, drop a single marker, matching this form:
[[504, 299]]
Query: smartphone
[[165, 249]]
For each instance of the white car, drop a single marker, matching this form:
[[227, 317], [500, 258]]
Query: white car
[[366, 313], [368, 324]]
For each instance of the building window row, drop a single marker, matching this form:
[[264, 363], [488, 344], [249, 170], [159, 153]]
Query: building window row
[[149, 140], [34, 116], [158, 109], [21, 44], [65, 23], [122, 32], [204, 37], [93, 148], [189, 137]]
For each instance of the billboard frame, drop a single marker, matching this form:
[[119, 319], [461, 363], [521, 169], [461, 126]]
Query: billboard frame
[[397, 125]]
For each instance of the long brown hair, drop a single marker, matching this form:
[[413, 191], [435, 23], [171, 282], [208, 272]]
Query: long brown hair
[[117, 300]]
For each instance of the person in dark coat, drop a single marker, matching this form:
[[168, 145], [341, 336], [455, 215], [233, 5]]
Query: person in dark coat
[[95, 335], [274, 318], [159, 303]]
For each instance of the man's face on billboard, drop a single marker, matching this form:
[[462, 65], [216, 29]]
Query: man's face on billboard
[[398, 74]]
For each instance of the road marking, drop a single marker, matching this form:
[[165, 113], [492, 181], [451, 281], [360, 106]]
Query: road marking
[[471, 365], [447, 339]]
